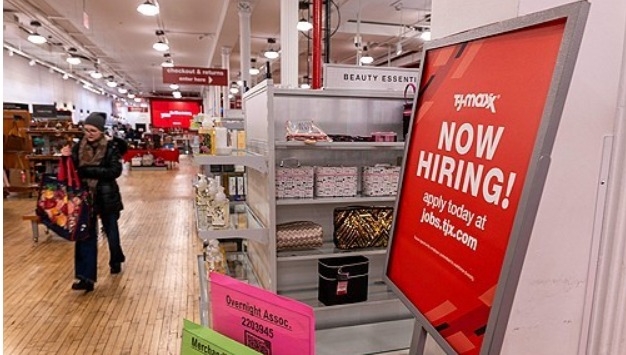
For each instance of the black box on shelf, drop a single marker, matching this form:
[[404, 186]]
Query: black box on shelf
[[342, 280]]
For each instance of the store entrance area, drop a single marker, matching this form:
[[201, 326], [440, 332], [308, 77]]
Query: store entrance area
[[138, 311]]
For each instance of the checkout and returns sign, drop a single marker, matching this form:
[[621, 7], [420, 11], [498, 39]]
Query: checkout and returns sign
[[195, 76], [477, 158]]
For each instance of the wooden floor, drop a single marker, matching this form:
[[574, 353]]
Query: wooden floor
[[139, 311]]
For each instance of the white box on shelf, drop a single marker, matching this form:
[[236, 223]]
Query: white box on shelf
[[336, 181], [380, 180], [295, 182]]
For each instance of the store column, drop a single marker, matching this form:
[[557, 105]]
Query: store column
[[289, 51], [244, 41], [225, 89]]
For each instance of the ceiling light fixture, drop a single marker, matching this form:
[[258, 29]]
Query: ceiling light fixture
[[366, 58], [253, 69], [35, 37], [234, 89], [399, 48], [110, 82], [32, 62], [304, 25], [161, 45], [131, 95], [66, 76], [96, 74], [174, 86], [271, 53], [426, 35], [122, 89], [177, 94], [137, 99], [168, 62], [148, 8], [72, 58]]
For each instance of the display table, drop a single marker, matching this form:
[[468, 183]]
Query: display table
[[168, 155]]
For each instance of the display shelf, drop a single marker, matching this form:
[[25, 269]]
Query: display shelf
[[377, 293], [243, 272], [334, 200], [328, 250], [238, 157], [43, 157], [339, 145], [243, 224], [374, 338]]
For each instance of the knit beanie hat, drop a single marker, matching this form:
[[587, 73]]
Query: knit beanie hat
[[96, 119]]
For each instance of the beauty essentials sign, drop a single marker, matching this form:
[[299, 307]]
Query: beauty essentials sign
[[485, 120], [261, 320]]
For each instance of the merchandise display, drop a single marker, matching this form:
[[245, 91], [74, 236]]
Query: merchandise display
[[297, 182], [361, 227], [299, 235], [343, 280], [336, 181], [381, 180]]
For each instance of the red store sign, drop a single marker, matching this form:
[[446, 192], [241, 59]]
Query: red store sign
[[169, 113], [195, 76]]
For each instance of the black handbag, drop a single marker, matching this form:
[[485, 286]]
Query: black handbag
[[361, 226]]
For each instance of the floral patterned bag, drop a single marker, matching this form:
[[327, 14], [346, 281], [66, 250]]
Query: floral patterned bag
[[62, 205]]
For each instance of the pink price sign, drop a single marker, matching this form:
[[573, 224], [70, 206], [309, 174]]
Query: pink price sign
[[262, 320]]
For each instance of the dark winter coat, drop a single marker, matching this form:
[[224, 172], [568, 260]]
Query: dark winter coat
[[108, 198]]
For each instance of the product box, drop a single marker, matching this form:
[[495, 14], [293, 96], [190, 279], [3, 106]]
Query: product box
[[381, 180], [232, 188], [295, 182], [241, 188], [338, 181], [342, 280]]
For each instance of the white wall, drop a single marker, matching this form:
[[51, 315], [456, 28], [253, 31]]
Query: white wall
[[553, 303], [36, 85]]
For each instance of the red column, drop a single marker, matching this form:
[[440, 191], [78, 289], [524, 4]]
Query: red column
[[317, 45]]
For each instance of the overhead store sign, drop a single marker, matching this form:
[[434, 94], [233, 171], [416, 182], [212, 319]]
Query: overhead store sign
[[477, 157], [195, 76], [171, 113], [368, 78]]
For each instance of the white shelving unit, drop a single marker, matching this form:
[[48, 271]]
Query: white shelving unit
[[243, 224], [237, 157], [357, 113]]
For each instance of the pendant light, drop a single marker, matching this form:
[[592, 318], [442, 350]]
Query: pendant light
[[168, 62], [253, 69], [425, 35], [72, 57], [96, 74], [111, 82], [303, 24], [177, 94], [148, 8], [121, 89], [271, 53], [366, 58], [161, 45], [174, 86], [35, 37]]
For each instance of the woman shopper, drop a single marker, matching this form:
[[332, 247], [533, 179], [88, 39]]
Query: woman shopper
[[98, 162]]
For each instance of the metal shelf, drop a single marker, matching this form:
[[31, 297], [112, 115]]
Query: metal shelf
[[238, 157], [340, 145], [328, 250], [377, 293], [243, 224], [334, 200]]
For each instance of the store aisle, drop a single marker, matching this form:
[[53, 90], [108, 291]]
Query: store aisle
[[139, 311]]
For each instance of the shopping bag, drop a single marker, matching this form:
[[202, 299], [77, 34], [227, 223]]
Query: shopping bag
[[63, 205], [199, 340]]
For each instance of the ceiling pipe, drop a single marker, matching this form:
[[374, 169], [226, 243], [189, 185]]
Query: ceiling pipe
[[317, 45]]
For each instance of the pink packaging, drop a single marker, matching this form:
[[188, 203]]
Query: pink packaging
[[384, 136], [259, 319]]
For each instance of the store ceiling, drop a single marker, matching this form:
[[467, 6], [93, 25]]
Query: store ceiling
[[120, 39]]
